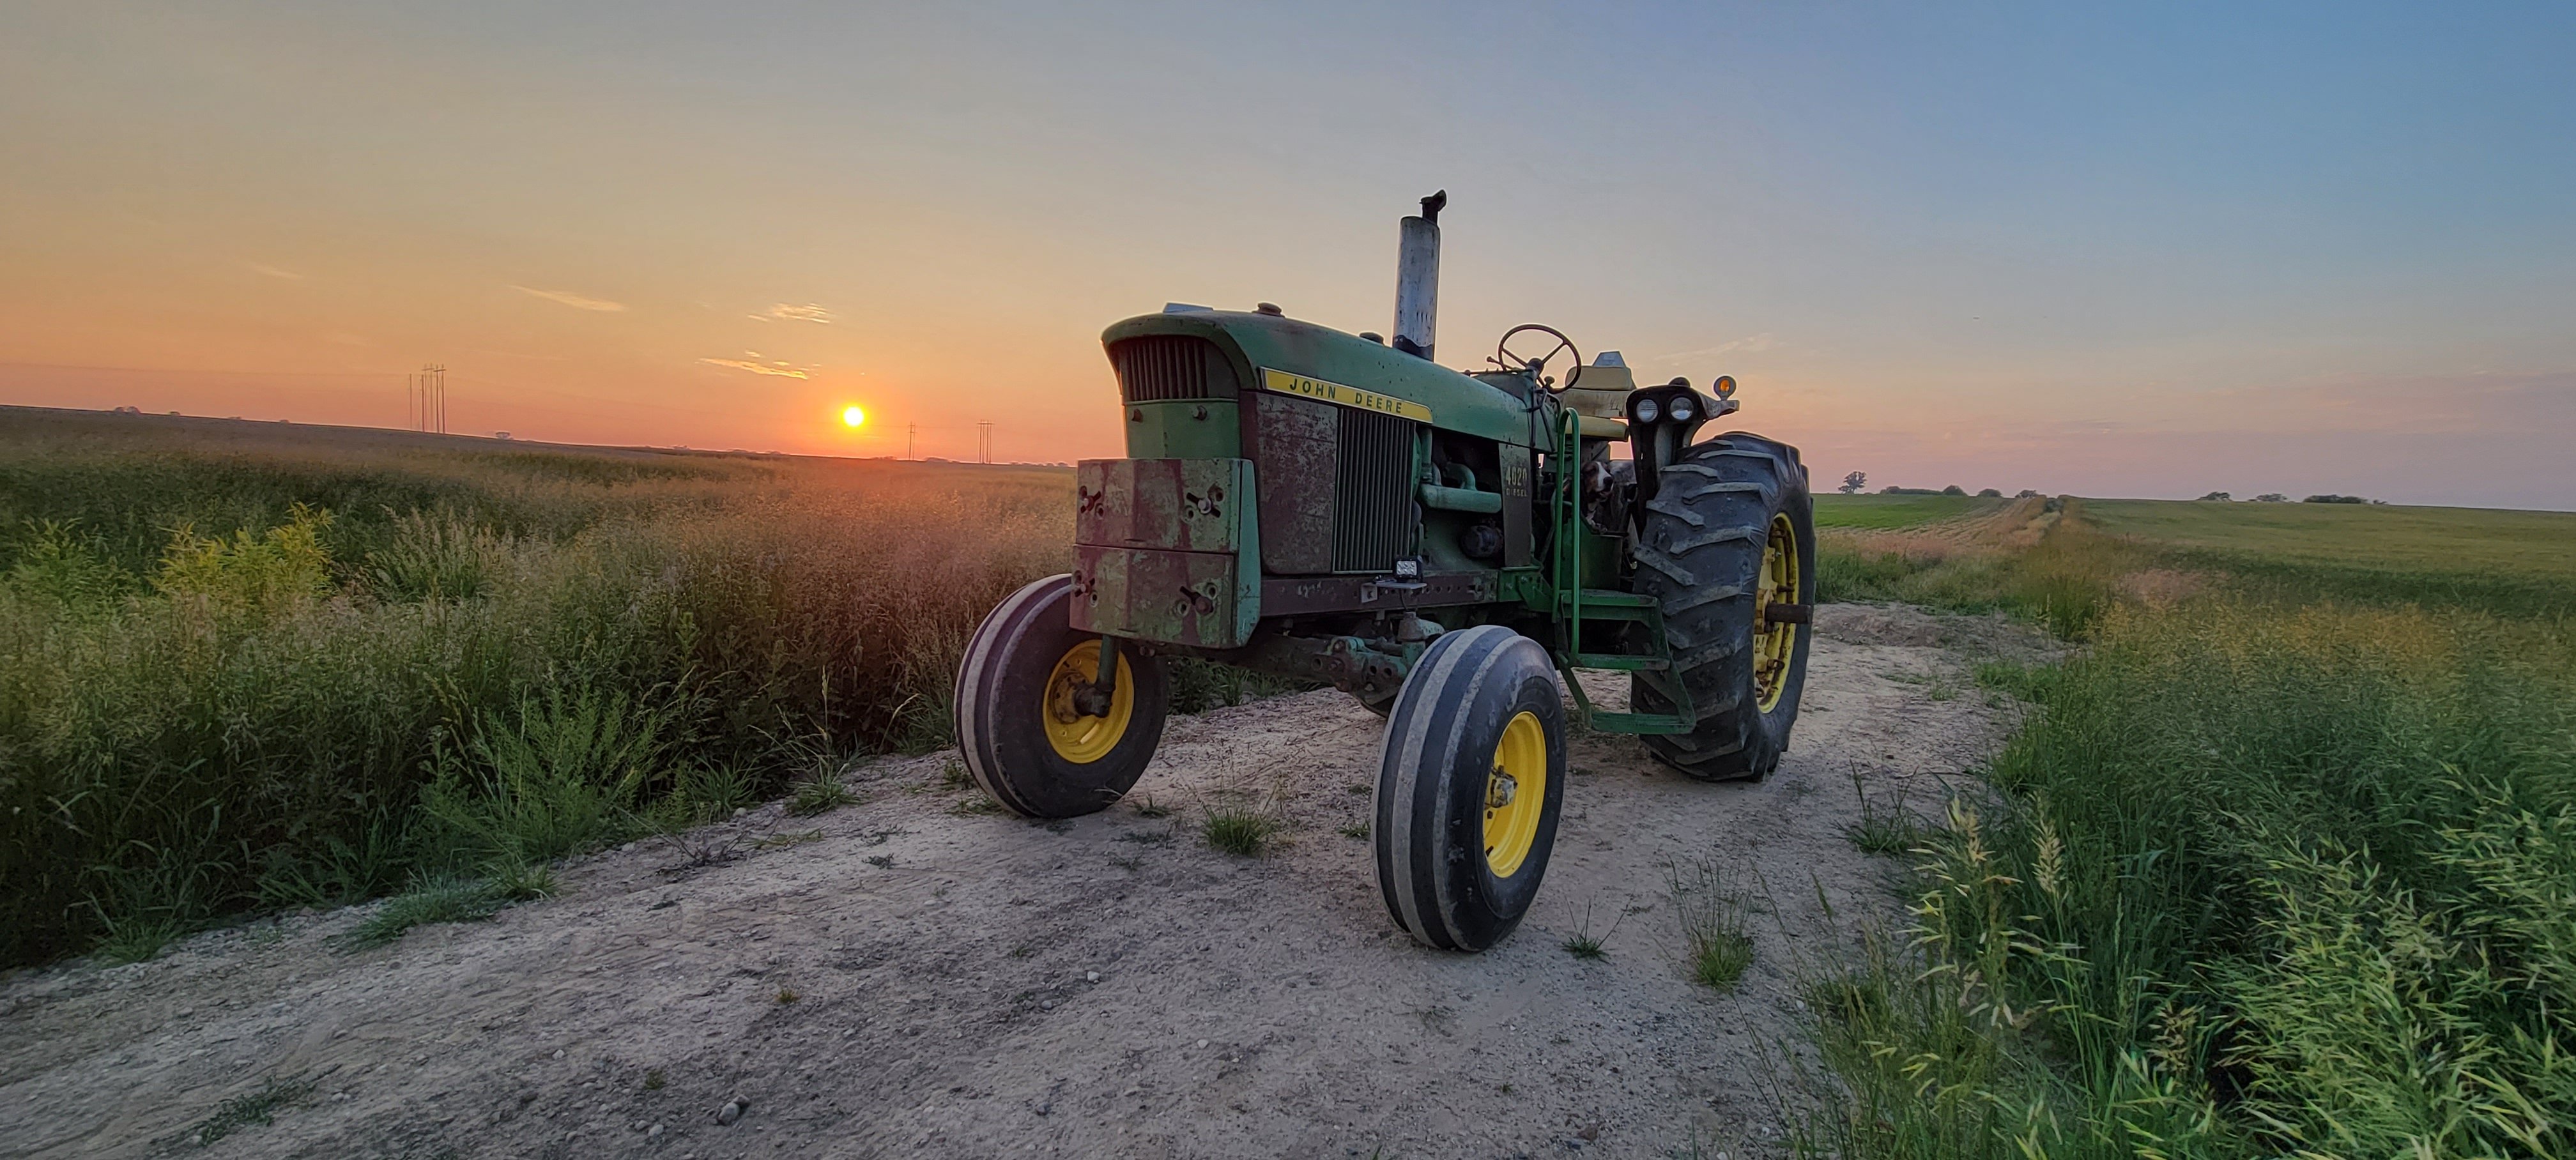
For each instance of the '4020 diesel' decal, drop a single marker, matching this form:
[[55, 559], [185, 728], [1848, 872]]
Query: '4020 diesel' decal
[[1336, 393]]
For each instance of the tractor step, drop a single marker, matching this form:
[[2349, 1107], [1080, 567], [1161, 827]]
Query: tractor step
[[1624, 661], [1610, 604], [1640, 723]]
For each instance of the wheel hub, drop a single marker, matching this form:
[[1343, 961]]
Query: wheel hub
[[1511, 817], [1081, 724]]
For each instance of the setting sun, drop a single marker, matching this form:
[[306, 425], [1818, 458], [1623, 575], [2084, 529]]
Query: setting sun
[[854, 416]]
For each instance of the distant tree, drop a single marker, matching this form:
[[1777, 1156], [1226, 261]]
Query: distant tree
[[2028, 493], [1854, 482], [2271, 497], [2334, 499], [1954, 489], [2219, 496], [1891, 489], [1990, 493]]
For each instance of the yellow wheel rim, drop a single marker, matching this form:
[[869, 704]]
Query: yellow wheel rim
[[1515, 794], [1774, 644], [1077, 738]]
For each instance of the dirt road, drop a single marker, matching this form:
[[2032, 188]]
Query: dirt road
[[901, 978]]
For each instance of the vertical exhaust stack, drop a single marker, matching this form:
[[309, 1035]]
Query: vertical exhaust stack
[[1417, 278]]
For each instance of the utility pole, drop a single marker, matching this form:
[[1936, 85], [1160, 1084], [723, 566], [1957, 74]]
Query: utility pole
[[984, 440], [909, 430], [425, 399]]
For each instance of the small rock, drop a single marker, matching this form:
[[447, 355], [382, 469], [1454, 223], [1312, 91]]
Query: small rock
[[1049, 1004], [336, 1097], [558, 1053], [653, 1133], [1091, 977], [1202, 1043], [732, 1110], [185, 1012]]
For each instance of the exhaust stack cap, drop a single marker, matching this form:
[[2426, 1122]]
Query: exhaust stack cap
[[1417, 277]]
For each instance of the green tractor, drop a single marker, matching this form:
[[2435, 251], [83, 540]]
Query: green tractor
[[1448, 547]]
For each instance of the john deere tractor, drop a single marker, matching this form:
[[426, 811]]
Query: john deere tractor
[[1448, 547]]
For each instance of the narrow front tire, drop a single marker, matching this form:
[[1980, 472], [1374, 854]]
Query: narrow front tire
[[1022, 724], [1471, 781]]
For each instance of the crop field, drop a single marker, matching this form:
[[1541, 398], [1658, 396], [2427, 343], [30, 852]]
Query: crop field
[[2478, 541], [2279, 863], [1882, 512]]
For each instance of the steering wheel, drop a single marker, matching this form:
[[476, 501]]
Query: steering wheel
[[1504, 358]]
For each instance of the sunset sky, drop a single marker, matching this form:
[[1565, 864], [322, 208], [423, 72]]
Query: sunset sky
[[2244, 247]]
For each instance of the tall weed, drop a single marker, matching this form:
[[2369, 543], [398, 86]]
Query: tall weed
[[237, 664]]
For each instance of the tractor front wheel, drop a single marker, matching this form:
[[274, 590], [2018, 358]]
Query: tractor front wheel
[[1033, 732], [1470, 781]]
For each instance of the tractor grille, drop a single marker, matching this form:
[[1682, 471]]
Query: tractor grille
[[1373, 492], [1164, 366]]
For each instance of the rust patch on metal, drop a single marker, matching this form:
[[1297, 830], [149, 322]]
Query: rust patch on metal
[[1163, 596], [1180, 505], [1297, 443]]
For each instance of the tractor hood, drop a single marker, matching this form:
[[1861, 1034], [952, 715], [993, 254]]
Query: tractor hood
[[1271, 352]]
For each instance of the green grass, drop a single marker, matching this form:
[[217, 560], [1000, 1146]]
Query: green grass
[[1241, 830], [2278, 866], [1883, 512], [1887, 825], [2511, 563], [2429, 540], [819, 794], [440, 898], [1717, 943], [258, 1108]]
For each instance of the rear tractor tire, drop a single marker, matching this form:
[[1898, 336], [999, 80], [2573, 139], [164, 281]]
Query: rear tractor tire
[[1471, 779], [1728, 550], [1019, 725]]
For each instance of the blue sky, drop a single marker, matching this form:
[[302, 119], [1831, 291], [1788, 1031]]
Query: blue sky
[[2152, 252]]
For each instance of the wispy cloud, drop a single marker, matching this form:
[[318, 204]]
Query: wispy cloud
[[788, 312], [1749, 344], [274, 272], [568, 298], [755, 368]]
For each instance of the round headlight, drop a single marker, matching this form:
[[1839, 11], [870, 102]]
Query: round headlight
[[1681, 410], [1647, 411]]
